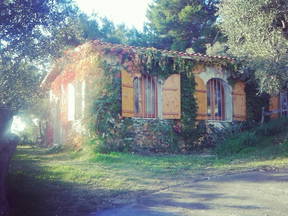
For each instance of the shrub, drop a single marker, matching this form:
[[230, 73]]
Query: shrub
[[237, 143], [272, 128], [234, 141]]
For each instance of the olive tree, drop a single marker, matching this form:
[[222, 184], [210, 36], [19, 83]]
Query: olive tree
[[29, 34], [257, 34]]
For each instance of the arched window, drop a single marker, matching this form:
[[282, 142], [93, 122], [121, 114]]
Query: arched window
[[215, 99], [137, 95], [145, 97]]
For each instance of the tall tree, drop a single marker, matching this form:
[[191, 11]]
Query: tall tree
[[257, 32], [182, 24], [98, 28], [27, 30]]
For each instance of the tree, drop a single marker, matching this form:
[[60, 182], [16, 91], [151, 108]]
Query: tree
[[27, 30], [257, 33], [182, 24], [98, 28]]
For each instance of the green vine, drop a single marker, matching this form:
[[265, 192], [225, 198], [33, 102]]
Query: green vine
[[116, 134]]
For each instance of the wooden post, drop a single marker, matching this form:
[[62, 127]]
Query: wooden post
[[263, 115]]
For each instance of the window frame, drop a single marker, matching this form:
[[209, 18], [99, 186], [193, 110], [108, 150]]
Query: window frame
[[216, 100], [71, 103], [284, 94], [140, 96]]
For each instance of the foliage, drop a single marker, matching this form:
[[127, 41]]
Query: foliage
[[217, 49], [183, 24], [260, 38], [188, 110], [255, 100], [236, 144], [27, 35], [25, 25], [112, 133], [251, 140], [84, 28], [104, 114], [272, 128], [14, 82]]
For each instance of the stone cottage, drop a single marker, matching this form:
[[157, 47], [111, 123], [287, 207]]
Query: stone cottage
[[139, 89]]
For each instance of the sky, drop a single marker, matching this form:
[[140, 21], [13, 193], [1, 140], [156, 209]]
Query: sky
[[130, 12]]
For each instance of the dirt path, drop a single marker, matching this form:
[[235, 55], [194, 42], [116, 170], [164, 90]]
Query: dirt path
[[256, 193]]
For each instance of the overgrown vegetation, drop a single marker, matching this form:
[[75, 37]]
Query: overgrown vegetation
[[255, 139], [112, 133]]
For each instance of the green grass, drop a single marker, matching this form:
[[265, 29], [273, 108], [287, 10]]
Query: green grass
[[43, 182]]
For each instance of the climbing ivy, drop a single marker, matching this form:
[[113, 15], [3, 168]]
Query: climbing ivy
[[114, 133]]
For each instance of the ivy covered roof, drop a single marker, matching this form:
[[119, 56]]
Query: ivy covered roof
[[81, 50], [165, 52]]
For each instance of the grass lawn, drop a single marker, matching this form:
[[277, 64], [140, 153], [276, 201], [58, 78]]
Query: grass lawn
[[67, 184]]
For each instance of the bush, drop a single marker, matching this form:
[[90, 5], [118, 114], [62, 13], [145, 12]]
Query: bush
[[272, 128], [237, 143]]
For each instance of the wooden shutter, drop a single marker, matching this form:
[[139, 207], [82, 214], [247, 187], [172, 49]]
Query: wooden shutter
[[172, 97], [201, 98], [127, 94], [274, 104], [239, 102]]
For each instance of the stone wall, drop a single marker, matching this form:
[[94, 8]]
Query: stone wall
[[154, 135]]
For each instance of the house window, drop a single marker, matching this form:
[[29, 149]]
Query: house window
[[215, 99], [71, 102], [284, 103], [145, 94], [139, 94], [78, 100], [83, 98]]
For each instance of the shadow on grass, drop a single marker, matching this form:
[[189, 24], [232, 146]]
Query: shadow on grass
[[39, 188], [34, 190]]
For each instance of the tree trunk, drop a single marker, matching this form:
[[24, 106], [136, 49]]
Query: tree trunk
[[8, 143]]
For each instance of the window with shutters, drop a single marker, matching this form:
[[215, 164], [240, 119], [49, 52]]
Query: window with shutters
[[141, 99], [145, 97], [216, 100]]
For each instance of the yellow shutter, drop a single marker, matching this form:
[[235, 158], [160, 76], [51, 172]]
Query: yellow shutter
[[127, 94], [274, 104], [239, 102], [201, 98], [172, 97]]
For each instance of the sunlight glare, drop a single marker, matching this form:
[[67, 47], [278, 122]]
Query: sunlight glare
[[17, 125]]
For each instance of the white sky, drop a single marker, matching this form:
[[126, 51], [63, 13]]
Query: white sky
[[129, 12]]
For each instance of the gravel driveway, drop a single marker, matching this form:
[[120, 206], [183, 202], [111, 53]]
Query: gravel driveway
[[255, 193]]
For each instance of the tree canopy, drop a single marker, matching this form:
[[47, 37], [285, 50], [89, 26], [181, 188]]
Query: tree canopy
[[257, 34], [27, 32], [182, 24]]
